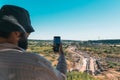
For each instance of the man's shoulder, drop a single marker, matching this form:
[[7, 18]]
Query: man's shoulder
[[30, 62], [23, 55], [45, 64], [29, 59], [37, 57]]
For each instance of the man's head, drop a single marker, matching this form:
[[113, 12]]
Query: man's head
[[22, 17], [10, 30]]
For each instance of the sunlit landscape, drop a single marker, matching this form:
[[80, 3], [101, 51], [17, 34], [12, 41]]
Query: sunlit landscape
[[89, 30], [86, 60]]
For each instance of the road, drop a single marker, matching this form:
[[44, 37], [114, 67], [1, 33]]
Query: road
[[87, 63]]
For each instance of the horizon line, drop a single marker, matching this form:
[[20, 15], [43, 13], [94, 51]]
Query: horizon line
[[76, 39]]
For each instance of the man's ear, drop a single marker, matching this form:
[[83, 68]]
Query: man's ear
[[18, 34], [14, 37]]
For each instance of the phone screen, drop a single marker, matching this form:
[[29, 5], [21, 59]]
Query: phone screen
[[56, 43]]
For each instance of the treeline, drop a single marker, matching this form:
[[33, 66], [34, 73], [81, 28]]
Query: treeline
[[117, 41], [109, 41]]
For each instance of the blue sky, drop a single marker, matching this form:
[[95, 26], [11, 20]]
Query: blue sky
[[72, 19]]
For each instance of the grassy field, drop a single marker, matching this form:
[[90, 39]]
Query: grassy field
[[79, 76]]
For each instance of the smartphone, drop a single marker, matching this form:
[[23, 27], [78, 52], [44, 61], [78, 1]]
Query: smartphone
[[56, 43]]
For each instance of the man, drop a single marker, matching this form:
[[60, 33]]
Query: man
[[15, 62], [23, 19]]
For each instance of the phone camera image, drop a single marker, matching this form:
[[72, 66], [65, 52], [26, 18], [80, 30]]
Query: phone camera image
[[56, 43]]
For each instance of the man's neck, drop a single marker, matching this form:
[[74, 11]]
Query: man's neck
[[3, 40]]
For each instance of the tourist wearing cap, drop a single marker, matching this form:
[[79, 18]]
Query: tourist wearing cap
[[15, 62], [22, 17]]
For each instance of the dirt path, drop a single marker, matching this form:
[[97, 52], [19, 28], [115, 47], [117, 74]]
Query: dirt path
[[111, 74]]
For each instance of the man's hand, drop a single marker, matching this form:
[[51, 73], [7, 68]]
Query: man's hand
[[61, 49], [62, 65]]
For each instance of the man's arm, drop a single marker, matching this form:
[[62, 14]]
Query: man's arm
[[62, 66]]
